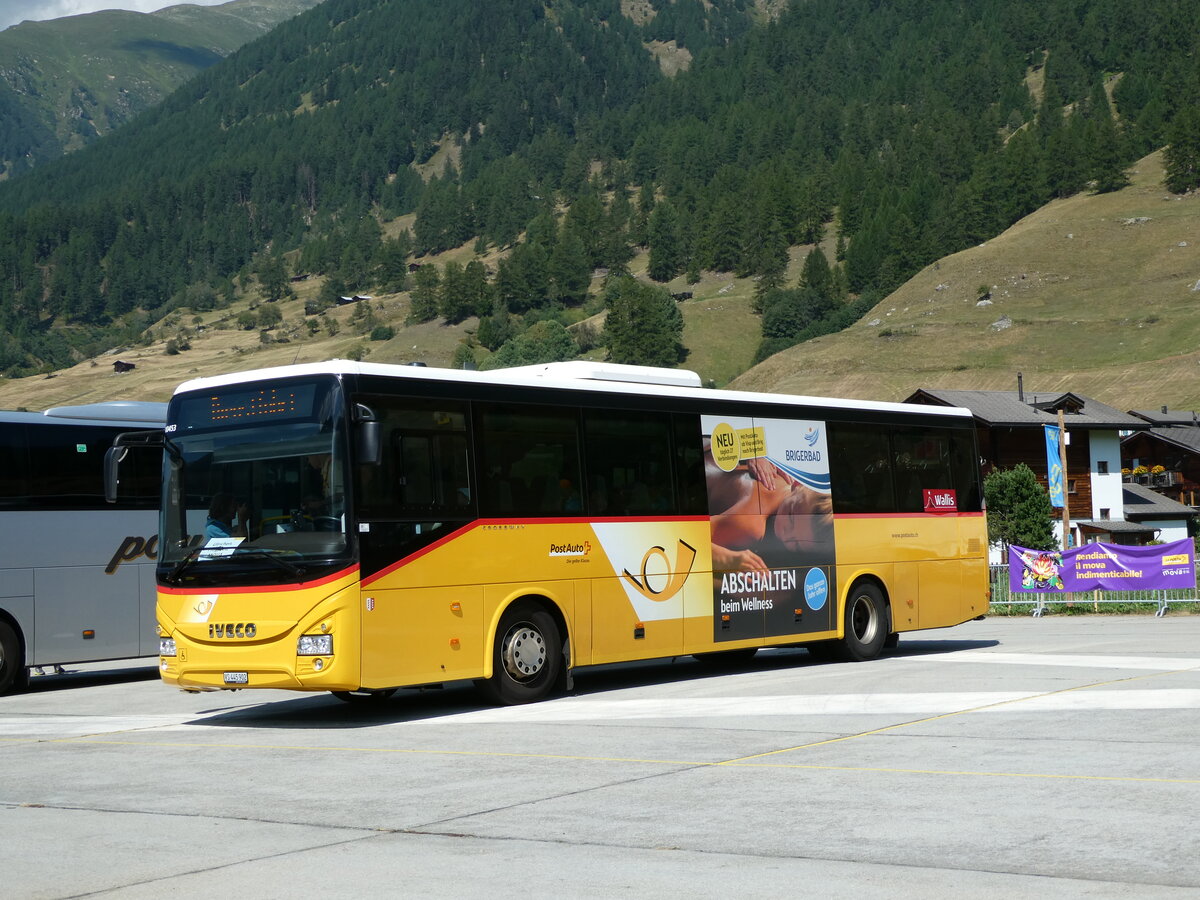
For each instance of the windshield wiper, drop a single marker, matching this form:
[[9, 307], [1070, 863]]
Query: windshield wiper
[[291, 568], [176, 573]]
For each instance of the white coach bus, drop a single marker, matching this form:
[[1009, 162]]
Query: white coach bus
[[76, 573]]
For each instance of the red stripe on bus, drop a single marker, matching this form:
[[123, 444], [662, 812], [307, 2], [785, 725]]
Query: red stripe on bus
[[264, 588], [914, 515]]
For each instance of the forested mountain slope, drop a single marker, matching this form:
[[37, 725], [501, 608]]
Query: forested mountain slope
[[542, 146], [1095, 294], [65, 82]]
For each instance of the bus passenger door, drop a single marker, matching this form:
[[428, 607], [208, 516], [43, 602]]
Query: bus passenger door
[[619, 632], [421, 635]]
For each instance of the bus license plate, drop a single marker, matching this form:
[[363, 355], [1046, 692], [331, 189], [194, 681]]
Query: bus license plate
[[237, 678]]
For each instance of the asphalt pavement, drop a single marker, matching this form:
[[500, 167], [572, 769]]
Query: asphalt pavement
[[1001, 758]]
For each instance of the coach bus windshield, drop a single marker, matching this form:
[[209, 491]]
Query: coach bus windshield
[[254, 486]]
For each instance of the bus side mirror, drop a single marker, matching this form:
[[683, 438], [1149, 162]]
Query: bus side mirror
[[369, 447], [112, 468]]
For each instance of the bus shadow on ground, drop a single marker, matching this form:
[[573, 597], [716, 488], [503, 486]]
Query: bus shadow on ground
[[323, 711]]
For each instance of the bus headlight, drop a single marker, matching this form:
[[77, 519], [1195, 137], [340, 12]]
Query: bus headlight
[[166, 646], [315, 645]]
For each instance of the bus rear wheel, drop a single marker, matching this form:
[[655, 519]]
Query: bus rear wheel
[[12, 660], [867, 623], [526, 658]]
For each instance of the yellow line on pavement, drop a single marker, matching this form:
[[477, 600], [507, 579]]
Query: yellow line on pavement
[[743, 763], [951, 715]]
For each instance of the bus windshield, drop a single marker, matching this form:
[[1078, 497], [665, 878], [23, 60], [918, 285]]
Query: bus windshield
[[254, 486]]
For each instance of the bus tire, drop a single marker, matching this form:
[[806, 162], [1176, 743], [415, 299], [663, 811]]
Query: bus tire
[[868, 623], [12, 660], [526, 657]]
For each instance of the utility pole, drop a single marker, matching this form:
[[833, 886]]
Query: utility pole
[[1066, 507]]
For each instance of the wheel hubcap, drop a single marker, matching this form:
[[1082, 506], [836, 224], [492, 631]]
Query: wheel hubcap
[[524, 652], [865, 620]]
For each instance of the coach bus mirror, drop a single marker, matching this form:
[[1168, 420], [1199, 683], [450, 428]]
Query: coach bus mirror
[[370, 448], [112, 468]]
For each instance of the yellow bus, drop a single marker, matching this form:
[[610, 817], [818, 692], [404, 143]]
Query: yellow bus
[[359, 528]]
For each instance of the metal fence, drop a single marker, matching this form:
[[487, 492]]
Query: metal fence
[[1041, 604]]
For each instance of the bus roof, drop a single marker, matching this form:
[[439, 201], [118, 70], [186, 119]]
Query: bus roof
[[574, 375], [133, 412]]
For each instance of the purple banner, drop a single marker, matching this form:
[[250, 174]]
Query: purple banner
[[1105, 567]]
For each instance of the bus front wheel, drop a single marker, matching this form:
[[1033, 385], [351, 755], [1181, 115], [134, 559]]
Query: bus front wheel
[[526, 658], [12, 660]]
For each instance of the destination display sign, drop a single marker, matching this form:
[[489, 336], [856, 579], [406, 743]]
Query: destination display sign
[[268, 404]]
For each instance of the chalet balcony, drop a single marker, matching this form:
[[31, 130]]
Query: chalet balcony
[[1154, 479]]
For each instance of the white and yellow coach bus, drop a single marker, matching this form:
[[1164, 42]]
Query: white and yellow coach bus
[[357, 528], [77, 580]]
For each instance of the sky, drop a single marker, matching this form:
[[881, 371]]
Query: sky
[[14, 11]]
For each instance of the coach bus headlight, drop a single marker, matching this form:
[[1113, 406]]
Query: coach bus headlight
[[166, 646], [315, 645]]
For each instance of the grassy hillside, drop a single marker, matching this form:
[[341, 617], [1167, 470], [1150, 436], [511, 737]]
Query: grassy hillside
[[79, 77], [1100, 291]]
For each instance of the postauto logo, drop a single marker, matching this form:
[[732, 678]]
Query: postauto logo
[[571, 548]]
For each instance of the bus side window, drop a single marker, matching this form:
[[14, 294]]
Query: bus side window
[[67, 465], [860, 463], [922, 461], [964, 466], [691, 491], [141, 478], [424, 472], [628, 463], [14, 467], [528, 460]]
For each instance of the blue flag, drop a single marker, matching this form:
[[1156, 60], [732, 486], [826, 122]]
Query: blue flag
[[1054, 467]]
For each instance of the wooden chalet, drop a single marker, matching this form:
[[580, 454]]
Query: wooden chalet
[[1169, 451], [1010, 428]]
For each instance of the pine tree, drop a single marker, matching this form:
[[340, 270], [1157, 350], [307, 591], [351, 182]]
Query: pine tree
[[424, 296], [391, 265], [1019, 510], [479, 292], [816, 273], [643, 326], [273, 279], [725, 237], [1106, 150], [454, 300], [666, 249], [1181, 159], [569, 269]]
